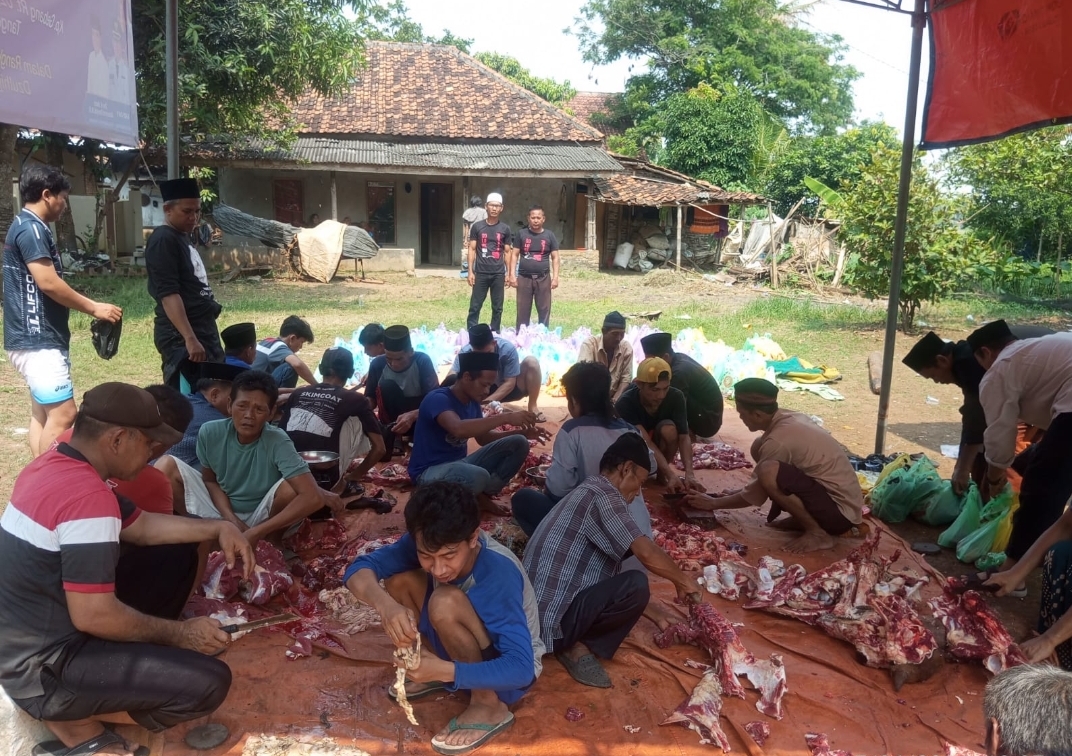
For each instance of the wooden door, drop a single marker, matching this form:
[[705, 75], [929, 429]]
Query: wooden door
[[437, 224], [287, 200]]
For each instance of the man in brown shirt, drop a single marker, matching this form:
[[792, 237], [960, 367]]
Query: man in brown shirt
[[612, 351], [799, 467]]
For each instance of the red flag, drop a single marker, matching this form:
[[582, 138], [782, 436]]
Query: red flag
[[997, 67]]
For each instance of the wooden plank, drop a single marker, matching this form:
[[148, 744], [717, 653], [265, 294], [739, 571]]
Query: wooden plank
[[874, 371]]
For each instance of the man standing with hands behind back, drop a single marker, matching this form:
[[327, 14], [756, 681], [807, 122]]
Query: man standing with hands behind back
[[537, 275], [489, 243], [38, 304], [185, 330]]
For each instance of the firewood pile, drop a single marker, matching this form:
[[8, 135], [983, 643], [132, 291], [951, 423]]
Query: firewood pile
[[356, 243]]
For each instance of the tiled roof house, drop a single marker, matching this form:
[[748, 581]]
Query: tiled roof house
[[422, 129]]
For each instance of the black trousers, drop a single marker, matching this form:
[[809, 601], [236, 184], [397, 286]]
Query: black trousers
[[705, 423], [531, 288], [1047, 471], [390, 403], [159, 686], [530, 507], [485, 282], [602, 615]]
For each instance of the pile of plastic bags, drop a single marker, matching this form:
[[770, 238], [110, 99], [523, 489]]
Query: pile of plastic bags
[[556, 353], [981, 531]]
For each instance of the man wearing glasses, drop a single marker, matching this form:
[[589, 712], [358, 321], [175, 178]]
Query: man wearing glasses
[[185, 330]]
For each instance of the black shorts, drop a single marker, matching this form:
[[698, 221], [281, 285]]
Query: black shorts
[[705, 423], [817, 501], [513, 396]]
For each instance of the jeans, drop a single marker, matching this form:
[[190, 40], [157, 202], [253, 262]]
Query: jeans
[[530, 288], [485, 282], [487, 470], [285, 376]]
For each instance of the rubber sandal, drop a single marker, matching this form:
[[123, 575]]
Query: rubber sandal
[[489, 730], [433, 687], [587, 670], [49, 748], [89, 747]]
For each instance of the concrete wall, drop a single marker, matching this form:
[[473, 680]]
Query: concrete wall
[[250, 190]]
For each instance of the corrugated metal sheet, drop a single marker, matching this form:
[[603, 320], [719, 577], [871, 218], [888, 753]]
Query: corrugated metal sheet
[[569, 158]]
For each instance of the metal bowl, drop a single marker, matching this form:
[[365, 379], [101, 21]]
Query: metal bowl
[[538, 474], [320, 460]]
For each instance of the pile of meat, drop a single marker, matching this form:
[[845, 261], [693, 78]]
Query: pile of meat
[[860, 599], [327, 611], [390, 476], [711, 631], [716, 456], [327, 535]]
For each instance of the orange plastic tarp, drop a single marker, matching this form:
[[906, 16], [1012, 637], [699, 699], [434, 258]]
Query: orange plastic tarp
[[829, 691]]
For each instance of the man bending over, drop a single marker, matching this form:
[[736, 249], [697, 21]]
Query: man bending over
[[516, 378], [449, 417], [74, 656], [279, 356], [471, 602], [251, 475], [659, 412], [800, 467], [587, 603]]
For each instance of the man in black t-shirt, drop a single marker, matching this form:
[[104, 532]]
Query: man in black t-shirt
[[537, 272], [184, 330], [702, 394], [330, 417], [659, 413], [490, 243]]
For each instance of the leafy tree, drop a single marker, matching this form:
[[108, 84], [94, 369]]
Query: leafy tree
[[711, 135], [391, 23], [755, 45], [833, 160], [937, 255], [241, 64], [1021, 190], [554, 92]]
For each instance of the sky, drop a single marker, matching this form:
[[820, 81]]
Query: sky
[[878, 42]]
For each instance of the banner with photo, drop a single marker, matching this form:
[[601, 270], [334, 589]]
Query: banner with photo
[[68, 66]]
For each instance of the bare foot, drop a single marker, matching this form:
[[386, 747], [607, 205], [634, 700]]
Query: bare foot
[[786, 523], [489, 505], [476, 714], [810, 541]]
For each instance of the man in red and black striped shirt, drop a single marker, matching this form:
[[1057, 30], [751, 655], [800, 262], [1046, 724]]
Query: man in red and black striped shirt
[[74, 655]]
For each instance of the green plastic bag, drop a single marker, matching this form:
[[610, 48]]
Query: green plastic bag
[[943, 508], [990, 561], [905, 491], [967, 521], [978, 544]]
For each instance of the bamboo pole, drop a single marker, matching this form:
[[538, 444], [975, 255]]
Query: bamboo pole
[[679, 231]]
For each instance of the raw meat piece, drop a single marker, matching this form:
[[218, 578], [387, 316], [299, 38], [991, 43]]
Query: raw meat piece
[[819, 745], [411, 659], [759, 731], [573, 714], [390, 476], [270, 576], [199, 606], [700, 712], [219, 581], [715, 634], [973, 632], [716, 456], [326, 571], [953, 750], [328, 535], [690, 546]]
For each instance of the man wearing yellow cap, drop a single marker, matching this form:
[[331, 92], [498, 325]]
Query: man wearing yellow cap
[[800, 467], [659, 413]]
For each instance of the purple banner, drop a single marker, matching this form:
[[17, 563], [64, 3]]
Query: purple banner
[[68, 66]]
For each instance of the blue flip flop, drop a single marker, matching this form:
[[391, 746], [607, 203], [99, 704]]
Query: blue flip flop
[[489, 730]]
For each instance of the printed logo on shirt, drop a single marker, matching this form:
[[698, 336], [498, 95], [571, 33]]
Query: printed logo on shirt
[[527, 249], [33, 316]]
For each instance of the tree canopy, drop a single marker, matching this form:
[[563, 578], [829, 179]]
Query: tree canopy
[[1021, 190], [556, 93], [833, 160], [795, 74], [242, 63]]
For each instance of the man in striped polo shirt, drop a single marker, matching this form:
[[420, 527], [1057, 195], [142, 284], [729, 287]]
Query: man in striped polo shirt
[[73, 655]]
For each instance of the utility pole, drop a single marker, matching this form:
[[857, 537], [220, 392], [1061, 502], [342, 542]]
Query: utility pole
[[171, 35]]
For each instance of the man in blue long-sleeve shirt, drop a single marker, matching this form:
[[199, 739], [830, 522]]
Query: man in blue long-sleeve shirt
[[470, 600]]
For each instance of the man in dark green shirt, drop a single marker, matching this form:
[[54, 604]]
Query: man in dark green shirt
[[702, 394]]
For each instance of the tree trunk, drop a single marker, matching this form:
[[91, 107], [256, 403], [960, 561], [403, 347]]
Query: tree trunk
[[55, 148]]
